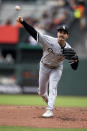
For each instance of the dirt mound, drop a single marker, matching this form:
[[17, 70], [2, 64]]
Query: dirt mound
[[30, 116]]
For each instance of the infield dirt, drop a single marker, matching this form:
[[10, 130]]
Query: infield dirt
[[30, 116]]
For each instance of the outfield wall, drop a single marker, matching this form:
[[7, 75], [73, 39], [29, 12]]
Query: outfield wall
[[74, 82], [71, 83]]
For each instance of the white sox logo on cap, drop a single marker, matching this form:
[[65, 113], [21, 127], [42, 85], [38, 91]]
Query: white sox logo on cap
[[64, 27]]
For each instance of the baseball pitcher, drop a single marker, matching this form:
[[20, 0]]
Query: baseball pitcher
[[55, 50]]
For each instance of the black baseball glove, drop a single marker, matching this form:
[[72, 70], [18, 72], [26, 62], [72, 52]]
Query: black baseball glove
[[68, 53], [71, 55]]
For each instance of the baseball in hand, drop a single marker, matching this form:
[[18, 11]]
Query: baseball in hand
[[17, 7]]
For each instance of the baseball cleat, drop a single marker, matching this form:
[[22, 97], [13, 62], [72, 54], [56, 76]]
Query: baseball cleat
[[48, 114]]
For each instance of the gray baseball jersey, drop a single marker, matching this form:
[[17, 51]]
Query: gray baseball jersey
[[52, 53]]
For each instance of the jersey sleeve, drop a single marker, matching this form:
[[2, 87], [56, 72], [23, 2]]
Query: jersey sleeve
[[30, 30], [44, 40], [40, 38]]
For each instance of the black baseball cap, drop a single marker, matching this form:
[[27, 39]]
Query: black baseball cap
[[63, 27]]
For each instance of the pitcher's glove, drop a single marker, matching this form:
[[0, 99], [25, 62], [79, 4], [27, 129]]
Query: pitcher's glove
[[69, 53]]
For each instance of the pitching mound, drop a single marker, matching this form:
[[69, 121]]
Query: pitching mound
[[31, 116]]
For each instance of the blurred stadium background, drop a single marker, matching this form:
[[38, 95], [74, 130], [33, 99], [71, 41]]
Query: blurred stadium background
[[20, 54]]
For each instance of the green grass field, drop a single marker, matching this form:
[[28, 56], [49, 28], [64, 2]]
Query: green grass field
[[37, 100], [61, 101], [6, 128]]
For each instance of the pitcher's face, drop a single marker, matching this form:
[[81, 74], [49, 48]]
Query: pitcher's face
[[62, 36]]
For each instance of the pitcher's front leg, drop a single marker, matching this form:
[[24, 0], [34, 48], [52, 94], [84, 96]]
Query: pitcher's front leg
[[53, 84]]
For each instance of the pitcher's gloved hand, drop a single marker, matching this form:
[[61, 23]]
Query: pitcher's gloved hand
[[69, 53], [74, 62]]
